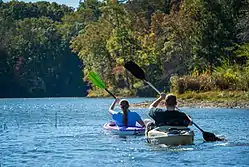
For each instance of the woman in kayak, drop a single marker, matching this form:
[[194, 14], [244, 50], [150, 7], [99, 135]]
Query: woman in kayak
[[127, 118], [171, 116]]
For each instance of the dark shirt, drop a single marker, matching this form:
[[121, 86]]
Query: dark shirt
[[168, 118]]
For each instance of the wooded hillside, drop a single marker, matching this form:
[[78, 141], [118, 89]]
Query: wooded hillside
[[47, 49]]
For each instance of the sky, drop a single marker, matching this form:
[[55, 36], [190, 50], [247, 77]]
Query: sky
[[72, 3]]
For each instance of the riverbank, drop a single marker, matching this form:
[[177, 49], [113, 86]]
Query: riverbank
[[224, 99], [211, 99], [199, 104]]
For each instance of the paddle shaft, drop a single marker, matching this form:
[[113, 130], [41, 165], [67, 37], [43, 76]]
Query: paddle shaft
[[198, 127], [110, 93], [152, 86], [193, 122]]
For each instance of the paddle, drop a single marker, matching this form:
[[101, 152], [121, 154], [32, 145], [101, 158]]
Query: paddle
[[95, 79], [133, 68], [208, 136]]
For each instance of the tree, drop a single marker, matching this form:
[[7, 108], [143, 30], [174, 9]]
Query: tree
[[20, 10]]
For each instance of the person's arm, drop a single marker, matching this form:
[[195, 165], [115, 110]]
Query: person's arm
[[111, 108], [141, 122], [139, 119], [157, 101]]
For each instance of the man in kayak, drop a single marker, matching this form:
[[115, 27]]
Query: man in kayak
[[171, 116], [127, 118]]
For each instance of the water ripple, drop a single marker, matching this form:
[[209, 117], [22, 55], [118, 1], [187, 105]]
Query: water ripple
[[62, 132]]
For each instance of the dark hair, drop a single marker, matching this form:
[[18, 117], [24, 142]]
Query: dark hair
[[171, 100], [125, 117]]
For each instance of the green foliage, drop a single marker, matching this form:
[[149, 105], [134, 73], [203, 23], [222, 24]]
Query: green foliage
[[243, 22], [232, 77], [90, 10], [195, 82], [35, 59], [226, 77], [243, 51], [20, 10], [90, 46], [186, 83], [168, 39], [215, 96], [171, 39], [218, 25], [177, 85], [36, 54], [125, 92]]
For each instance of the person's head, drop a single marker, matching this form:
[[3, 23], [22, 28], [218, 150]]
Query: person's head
[[124, 104], [170, 100]]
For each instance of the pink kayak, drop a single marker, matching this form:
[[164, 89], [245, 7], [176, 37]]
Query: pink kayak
[[134, 130]]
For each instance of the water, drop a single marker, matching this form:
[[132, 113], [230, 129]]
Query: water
[[65, 132]]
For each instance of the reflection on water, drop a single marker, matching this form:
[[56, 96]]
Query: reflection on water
[[69, 132]]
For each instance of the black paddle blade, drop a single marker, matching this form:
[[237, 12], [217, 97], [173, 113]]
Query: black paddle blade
[[135, 70], [211, 137]]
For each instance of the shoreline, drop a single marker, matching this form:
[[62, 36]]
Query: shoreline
[[199, 104]]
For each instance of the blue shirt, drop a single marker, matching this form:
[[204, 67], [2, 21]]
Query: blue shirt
[[133, 117]]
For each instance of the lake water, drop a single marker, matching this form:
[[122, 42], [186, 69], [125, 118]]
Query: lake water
[[65, 132]]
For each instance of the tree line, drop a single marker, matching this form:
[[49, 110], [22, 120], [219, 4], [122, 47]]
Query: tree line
[[48, 49], [36, 60]]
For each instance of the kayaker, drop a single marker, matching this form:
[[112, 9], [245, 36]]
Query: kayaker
[[127, 118], [171, 116]]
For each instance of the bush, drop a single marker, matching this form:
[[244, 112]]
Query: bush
[[195, 82], [225, 77], [177, 85], [243, 79], [232, 77], [206, 81]]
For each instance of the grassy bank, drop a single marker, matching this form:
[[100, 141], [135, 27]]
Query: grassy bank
[[216, 96], [224, 99], [231, 99], [221, 99]]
